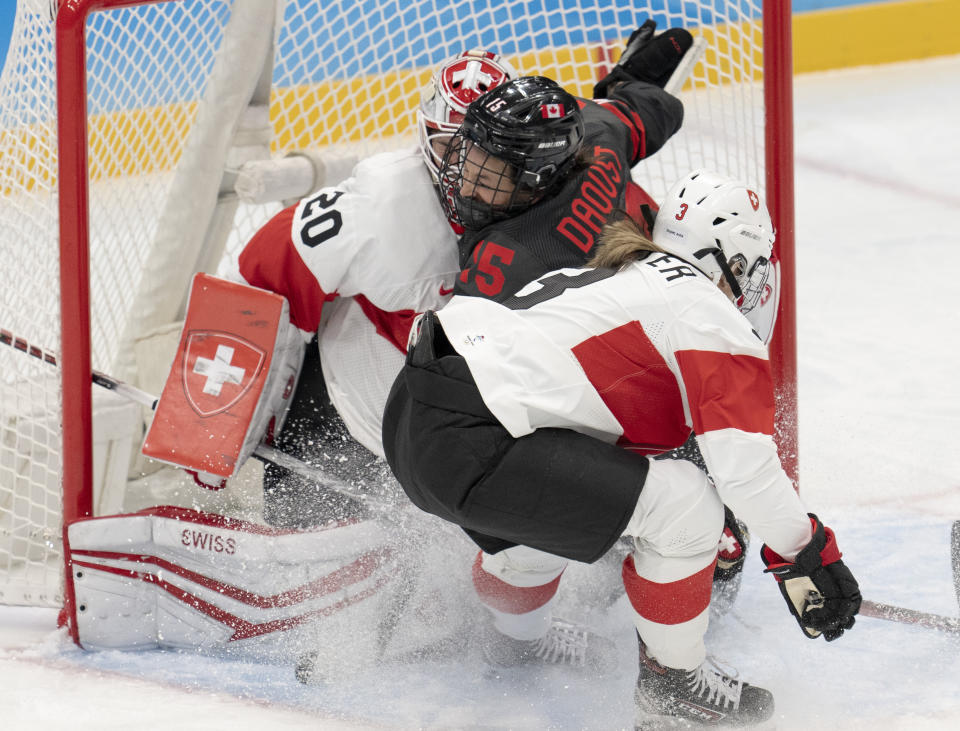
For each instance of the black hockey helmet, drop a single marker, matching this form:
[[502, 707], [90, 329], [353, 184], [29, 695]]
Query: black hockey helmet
[[517, 144]]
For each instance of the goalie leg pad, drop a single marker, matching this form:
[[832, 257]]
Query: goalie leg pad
[[178, 578]]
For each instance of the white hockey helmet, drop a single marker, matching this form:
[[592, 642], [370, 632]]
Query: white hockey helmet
[[722, 227], [443, 102]]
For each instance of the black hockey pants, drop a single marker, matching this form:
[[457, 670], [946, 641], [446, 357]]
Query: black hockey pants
[[555, 489]]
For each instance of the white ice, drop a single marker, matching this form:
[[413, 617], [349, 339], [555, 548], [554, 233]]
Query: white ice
[[878, 257]]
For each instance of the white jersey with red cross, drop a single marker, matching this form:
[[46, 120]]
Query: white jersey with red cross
[[359, 261], [640, 358]]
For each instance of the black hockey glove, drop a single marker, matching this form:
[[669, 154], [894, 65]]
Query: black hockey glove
[[647, 58], [818, 588]]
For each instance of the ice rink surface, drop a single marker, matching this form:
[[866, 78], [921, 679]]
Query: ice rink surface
[[878, 259]]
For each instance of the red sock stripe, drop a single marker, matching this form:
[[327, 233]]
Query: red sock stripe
[[507, 598], [672, 603]]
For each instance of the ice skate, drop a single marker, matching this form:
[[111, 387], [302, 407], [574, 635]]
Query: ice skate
[[565, 644], [670, 698]]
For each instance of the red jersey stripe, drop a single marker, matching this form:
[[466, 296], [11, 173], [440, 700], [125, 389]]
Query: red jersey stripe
[[394, 326], [637, 386], [271, 261], [674, 602], [638, 133], [728, 391], [506, 597]]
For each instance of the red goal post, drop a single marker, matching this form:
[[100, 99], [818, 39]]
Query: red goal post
[[162, 104]]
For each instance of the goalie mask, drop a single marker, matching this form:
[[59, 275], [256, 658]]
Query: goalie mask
[[458, 82], [516, 145], [723, 228]]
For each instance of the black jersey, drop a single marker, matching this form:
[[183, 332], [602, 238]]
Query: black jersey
[[563, 230]]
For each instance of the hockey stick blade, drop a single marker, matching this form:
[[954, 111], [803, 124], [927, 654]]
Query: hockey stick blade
[[877, 610], [266, 452]]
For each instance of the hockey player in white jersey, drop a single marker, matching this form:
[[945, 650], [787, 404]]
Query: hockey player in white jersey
[[527, 422]]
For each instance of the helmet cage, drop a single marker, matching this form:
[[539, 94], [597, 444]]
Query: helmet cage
[[746, 281], [478, 188], [751, 281]]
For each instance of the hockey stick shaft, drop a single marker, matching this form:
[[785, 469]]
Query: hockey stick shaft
[[685, 67], [264, 451], [877, 610], [955, 556], [101, 379]]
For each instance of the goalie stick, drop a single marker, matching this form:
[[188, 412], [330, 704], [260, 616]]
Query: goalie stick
[[263, 451]]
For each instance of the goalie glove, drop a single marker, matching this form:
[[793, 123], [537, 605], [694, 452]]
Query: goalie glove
[[647, 58], [819, 589]]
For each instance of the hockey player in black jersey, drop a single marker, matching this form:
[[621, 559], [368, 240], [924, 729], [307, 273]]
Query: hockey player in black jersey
[[534, 172], [532, 176]]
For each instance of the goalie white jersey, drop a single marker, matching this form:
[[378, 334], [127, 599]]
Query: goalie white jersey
[[380, 243], [639, 358]]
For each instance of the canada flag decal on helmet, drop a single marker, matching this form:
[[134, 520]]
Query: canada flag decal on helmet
[[754, 199], [551, 111], [218, 369]]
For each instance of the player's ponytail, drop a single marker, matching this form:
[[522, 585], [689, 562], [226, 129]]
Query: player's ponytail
[[621, 242]]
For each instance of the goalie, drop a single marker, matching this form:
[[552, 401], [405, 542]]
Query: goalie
[[336, 280]]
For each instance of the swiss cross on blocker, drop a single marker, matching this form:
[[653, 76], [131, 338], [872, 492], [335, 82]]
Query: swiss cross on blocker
[[220, 371]]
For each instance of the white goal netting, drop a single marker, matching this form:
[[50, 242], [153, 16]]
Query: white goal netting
[[179, 95]]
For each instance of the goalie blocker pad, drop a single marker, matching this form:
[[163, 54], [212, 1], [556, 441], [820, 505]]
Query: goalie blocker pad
[[172, 577], [232, 378]]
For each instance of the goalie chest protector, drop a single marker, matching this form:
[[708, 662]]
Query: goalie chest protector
[[231, 371]]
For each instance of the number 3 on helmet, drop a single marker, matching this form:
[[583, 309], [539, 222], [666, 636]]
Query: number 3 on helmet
[[457, 82]]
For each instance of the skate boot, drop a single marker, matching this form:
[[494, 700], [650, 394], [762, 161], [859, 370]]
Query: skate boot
[[564, 644], [669, 698]]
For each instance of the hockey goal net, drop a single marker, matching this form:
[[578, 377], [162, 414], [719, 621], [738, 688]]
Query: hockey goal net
[[125, 126]]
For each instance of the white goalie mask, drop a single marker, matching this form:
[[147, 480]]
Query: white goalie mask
[[443, 102], [722, 227]]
